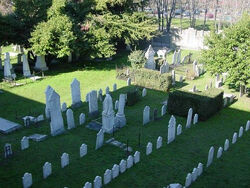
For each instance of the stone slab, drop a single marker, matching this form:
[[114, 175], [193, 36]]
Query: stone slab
[[7, 126], [38, 137]]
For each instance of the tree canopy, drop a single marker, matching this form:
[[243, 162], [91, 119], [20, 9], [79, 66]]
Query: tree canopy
[[229, 52]]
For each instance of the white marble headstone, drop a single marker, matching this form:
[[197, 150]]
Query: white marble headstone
[[129, 82], [115, 171], [70, 119], [241, 131], [82, 119], [123, 166], [93, 102], [146, 115], [24, 143], [98, 182], [234, 140], [188, 180], [200, 169], [130, 161], [194, 174], [87, 185], [99, 139], [27, 180], [247, 126], [195, 121], [226, 145], [210, 156], [26, 67], [48, 92], [159, 142], [83, 150], [144, 92], [137, 157], [75, 92], [114, 87], [149, 148], [47, 170], [163, 110], [171, 129], [189, 118], [219, 152], [107, 177], [179, 129], [64, 160]]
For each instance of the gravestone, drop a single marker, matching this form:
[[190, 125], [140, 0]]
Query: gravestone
[[93, 103], [120, 119], [87, 185], [83, 150], [7, 150], [108, 119], [194, 65], [174, 58], [226, 145], [219, 152], [188, 180], [47, 170], [56, 123], [241, 131], [149, 148], [210, 156], [99, 95], [122, 166], [181, 79], [163, 110], [116, 104], [150, 63], [129, 82], [163, 69], [38, 137], [8, 69], [82, 119], [173, 77], [40, 63], [75, 93], [179, 129], [194, 174], [48, 92], [146, 115], [195, 121], [64, 107], [159, 142], [130, 161], [171, 129], [99, 139], [137, 157], [234, 140], [25, 143], [200, 169], [114, 87], [189, 118], [98, 182], [107, 90], [70, 119], [178, 58], [27, 180], [247, 126], [144, 92], [107, 177], [155, 114], [26, 67], [115, 171], [64, 160], [197, 71]]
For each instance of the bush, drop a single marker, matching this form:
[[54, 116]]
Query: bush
[[133, 97], [137, 59], [152, 79], [205, 104]]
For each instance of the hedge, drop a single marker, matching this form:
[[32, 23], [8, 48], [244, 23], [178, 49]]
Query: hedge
[[205, 104]]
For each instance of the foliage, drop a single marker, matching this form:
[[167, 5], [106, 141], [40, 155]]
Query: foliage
[[229, 52], [133, 96], [137, 59], [54, 36], [205, 104]]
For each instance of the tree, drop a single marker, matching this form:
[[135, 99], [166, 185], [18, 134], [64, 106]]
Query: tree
[[229, 52]]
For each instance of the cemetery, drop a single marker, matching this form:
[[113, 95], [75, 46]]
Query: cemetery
[[148, 117]]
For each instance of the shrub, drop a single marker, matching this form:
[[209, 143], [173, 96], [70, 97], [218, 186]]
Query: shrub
[[152, 79], [133, 97], [137, 59], [205, 104]]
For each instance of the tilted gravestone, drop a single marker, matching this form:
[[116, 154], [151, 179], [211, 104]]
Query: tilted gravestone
[[226, 145], [163, 110], [64, 160], [159, 142], [179, 129], [189, 118], [99, 139], [234, 140], [219, 152], [210, 156], [137, 157]]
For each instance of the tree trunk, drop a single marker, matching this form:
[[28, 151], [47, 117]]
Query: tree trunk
[[215, 16]]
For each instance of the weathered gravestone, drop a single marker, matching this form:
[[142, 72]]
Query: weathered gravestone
[[98, 182], [27, 180], [247, 126], [120, 119], [130, 161], [114, 87], [179, 129], [219, 152], [26, 67], [150, 63], [93, 103], [8, 69], [144, 92], [163, 110], [159, 142], [108, 119], [64, 160], [47, 170], [149, 148], [234, 140], [195, 121], [64, 107], [129, 82], [226, 145], [83, 150], [210, 156], [56, 123], [7, 150], [189, 118], [107, 177], [116, 104], [87, 185], [163, 69], [82, 119], [107, 90], [122, 166], [115, 171], [76, 93], [48, 92], [24, 143], [188, 180], [181, 79], [70, 119], [241, 131], [171, 129], [137, 157], [146, 115], [99, 139], [200, 169], [194, 174]]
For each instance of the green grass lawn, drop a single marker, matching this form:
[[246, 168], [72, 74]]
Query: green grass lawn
[[169, 164]]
